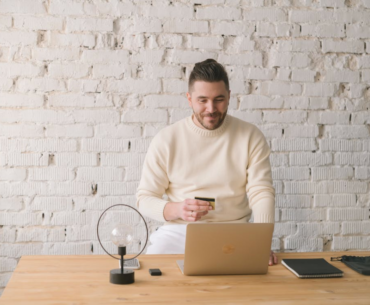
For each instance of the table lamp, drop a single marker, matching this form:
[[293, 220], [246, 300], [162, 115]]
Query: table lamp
[[121, 236]]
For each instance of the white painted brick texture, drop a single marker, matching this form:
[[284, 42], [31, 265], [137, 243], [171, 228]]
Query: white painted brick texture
[[86, 85]]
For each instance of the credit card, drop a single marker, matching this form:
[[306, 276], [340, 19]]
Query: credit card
[[212, 201]]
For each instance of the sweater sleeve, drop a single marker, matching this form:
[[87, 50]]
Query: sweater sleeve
[[260, 191], [154, 182]]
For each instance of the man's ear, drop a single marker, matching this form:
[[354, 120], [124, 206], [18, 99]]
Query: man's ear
[[188, 95]]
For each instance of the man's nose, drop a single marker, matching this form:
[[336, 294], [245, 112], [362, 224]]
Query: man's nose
[[211, 107]]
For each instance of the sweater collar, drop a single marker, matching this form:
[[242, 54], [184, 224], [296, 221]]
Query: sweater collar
[[205, 132]]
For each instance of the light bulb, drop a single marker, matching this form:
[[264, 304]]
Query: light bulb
[[121, 235]]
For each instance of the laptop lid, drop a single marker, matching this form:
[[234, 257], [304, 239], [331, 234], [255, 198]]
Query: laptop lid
[[227, 248]]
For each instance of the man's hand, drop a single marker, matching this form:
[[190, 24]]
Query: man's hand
[[273, 259], [188, 210]]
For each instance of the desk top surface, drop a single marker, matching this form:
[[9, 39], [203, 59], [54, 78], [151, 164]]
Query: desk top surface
[[85, 280]]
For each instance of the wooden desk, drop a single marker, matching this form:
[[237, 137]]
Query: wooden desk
[[85, 280]]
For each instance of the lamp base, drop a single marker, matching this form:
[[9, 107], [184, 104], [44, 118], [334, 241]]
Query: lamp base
[[127, 277]]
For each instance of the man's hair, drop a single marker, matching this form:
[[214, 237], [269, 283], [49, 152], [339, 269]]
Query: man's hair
[[208, 71]]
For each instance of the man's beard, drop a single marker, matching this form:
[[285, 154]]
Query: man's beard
[[219, 123]]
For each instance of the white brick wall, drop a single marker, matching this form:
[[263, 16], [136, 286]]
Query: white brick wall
[[85, 85]]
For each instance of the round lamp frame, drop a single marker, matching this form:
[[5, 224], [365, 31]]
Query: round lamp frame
[[146, 226]]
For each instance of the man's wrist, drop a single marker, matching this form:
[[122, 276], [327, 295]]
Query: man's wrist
[[170, 211]]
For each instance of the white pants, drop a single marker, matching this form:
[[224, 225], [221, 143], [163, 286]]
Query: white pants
[[169, 239]]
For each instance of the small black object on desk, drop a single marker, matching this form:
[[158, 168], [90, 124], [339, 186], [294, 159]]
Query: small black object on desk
[[155, 272]]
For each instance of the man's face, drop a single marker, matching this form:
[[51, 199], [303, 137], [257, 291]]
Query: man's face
[[209, 102]]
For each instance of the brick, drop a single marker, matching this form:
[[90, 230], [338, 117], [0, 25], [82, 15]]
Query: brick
[[89, 85], [52, 173], [12, 204], [69, 131], [76, 159], [213, 43], [101, 145], [175, 86], [323, 30], [293, 145], [117, 131], [259, 74], [133, 174], [99, 174], [17, 250], [28, 159], [320, 89], [354, 158], [5, 22], [219, 13], [332, 173], [328, 117], [265, 14], [122, 159], [297, 45], [89, 24], [66, 7], [288, 59], [112, 70], [37, 145], [152, 130], [140, 145], [20, 219], [185, 26], [40, 85], [21, 100], [117, 188], [351, 243], [310, 159], [24, 131], [351, 227], [68, 70], [292, 173], [315, 229], [236, 28], [161, 71], [165, 101], [145, 116], [177, 115], [348, 214], [259, 102], [49, 54], [71, 40], [303, 76], [364, 61], [37, 23], [248, 58], [6, 84], [281, 88], [293, 201], [303, 214], [357, 31], [22, 7], [343, 76], [279, 159], [362, 173], [139, 86], [305, 16], [332, 3], [16, 69], [295, 102], [105, 56], [254, 117], [7, 264], [148, 56], [347, 131], [291, 116], [40, 234], [284, 229], [365, 75], [308, 131], [334, 200], [7, 235], [271, 130], [71, 100], [96, 116], [342, 46], [146, 25], [165, 12], [51, 204], [188, 57], [340, 145]]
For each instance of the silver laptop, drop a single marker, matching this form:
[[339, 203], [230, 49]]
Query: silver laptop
[[227, 248]]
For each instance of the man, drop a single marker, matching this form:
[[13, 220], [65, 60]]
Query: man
[[210, 154]]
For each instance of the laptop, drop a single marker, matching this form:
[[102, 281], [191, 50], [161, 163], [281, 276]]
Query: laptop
[[227, 248]]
